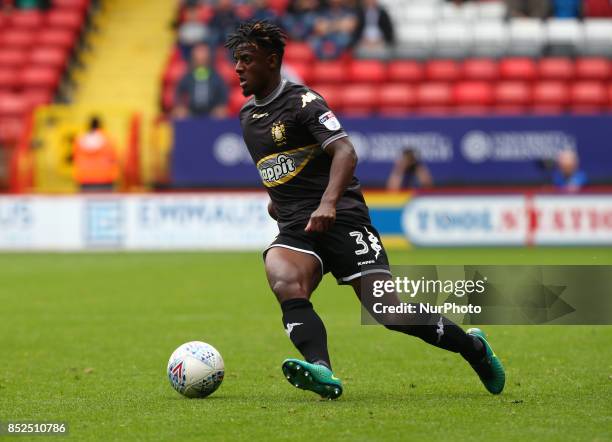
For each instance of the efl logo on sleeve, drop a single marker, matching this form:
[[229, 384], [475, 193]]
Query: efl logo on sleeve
[[329, 120]]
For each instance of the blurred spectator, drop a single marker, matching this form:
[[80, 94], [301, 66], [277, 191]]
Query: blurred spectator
[[567, 8], [224, 21], [374, 28], [262, 11], [96, 167], [334, 29], [32, 4], [528, 8], [597, 8], [201, 91], [191, 32], [300, 19], [409, 171], [567, 176]]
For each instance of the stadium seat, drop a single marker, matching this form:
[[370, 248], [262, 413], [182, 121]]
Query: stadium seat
[[224, 68], [396, 99], [473, 97], [11, 129], [37, 97], [12, 58], [332, 94], [512, 97], [17, 39], [65, 19], [367, 71], [302, 70], [564, 36], [415, 41], [298, 52], [206, 12], [236, 101], [80, 5], [550, 97], [453, 39], [421, 12], [523, 69], [329, 72], [492, 10], [26, 19], [442, 70], [556, 69], [39, 77], [8, 78], [484, 69], [597, 37], [49, 56], [402, 71], [434, 98], [595, 68], [588, 97], [490, 38], [527, 37], [63, 38], [13, 105], [175, 71], [610, 97], [359, 99]]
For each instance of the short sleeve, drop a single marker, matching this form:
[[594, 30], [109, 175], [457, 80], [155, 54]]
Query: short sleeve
[[317, 117]]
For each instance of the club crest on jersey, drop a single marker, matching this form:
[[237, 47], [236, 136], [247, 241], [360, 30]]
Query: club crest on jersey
[[280, 167], [329, 120], [279, 133]]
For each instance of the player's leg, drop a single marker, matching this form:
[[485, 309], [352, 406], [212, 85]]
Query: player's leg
[[293, 276], [436, 330]]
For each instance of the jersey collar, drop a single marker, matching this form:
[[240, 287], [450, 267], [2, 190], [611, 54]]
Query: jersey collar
[[273, 95]]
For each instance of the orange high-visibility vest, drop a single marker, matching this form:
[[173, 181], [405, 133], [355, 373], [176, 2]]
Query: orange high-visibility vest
[[95, 160]]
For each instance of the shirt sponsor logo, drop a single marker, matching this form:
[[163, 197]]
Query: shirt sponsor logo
[[258, 116], [329, 120], [280, 167]]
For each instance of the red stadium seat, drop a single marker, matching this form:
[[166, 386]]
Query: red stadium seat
[[594, 68], [175, 71], [523, 69], [480, 69], [405, 71], [610, 96], [63, 38], [167, 98], [206, 13], [442, 70], [26, 19], [11, 129], [49, 56], [236, 101], [329, 72], [512, 97], [225, 69], [17, 39], [37, 97], [298, 52], [473, 97], [561, 69], [8, 79], [332, 94], [39, 77], [80, 5], [13, 105], [588, 97], [65, 19], [550, 97], [302, 70], [367, 71], [434, 98], [396, 99], [12, 58], [359, 99]]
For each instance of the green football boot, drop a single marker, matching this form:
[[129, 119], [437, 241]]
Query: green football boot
[[313, 377], [490, 370]]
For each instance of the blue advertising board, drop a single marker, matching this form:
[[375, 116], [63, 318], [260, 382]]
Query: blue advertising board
[[457, 150]]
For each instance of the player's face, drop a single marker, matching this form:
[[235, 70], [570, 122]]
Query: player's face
[[254, 68]]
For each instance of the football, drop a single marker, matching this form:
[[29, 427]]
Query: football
[[196, 369]]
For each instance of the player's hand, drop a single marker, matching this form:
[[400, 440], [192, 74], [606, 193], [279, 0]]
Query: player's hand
[[272, 211], [321, 219]]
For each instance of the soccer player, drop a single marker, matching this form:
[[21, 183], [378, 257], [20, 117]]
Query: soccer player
[[306, 162]]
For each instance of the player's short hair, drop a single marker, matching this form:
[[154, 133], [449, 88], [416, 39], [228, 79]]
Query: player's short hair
[[261, 34]]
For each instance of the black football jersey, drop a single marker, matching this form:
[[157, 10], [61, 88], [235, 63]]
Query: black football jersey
[[286, 134]]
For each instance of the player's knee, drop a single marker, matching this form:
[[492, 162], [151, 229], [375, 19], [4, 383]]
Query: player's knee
[[286, 289]]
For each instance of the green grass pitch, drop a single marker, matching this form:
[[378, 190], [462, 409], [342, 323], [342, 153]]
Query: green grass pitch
[[85, 339]]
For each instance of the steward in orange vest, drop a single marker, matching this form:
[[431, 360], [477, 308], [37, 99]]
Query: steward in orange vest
[[96, 167]]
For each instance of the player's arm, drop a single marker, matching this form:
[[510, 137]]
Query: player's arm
[[344, 161]]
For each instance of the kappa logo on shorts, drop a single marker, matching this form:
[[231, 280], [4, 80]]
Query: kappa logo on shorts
[[280, 167], [374, 242]]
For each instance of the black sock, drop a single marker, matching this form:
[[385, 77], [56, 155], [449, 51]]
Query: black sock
[[444, 333], [306, 330]]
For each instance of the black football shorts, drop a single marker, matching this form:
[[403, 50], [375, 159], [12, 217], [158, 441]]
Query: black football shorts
[[348, 251]]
